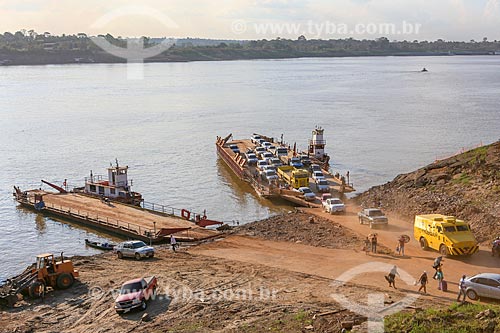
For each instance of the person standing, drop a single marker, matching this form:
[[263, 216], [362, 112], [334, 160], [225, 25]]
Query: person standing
[[440, 277], [391, 278], [423, 282], [461, 289], [374, 243], [173, 242], [367, 245], [401, 246]]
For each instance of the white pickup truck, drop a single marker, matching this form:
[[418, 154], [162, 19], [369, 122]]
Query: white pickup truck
[[333, 205], [372, 216]]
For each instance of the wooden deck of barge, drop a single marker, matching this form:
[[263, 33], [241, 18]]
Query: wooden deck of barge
[[125, 220]]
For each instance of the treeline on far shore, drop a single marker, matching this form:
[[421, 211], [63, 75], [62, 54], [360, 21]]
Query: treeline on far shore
[[27, 47]]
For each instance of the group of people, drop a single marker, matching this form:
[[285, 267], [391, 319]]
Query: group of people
[[371, 244], [423, 280]]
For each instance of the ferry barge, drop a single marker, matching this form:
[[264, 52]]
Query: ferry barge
[[109, 205], [235, 154]]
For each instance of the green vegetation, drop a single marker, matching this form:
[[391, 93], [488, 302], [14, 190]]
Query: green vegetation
[[29, 47], [464, 179], [455, 319], [478, 155]]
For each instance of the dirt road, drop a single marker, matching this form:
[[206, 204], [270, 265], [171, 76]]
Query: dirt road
[[332, 263]]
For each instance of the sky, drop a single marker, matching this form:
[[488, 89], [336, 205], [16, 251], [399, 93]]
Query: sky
[[258, 19]]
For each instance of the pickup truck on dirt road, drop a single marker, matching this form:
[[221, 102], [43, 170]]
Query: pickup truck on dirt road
[[135, 294], [333, 205], [372, 216]]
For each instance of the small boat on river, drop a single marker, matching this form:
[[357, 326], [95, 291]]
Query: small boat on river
[[100, 246]]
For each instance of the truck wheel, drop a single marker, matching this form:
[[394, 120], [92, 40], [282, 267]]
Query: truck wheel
[[443, 250], [423, 243], [144, 305], [64, 281], [137, 256], [360, 220], [120, 255]]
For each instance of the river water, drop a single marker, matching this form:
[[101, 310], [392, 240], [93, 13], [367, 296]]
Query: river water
[[381, 117]]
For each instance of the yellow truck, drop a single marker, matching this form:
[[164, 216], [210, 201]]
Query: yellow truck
[[294, 177], [446, 234]]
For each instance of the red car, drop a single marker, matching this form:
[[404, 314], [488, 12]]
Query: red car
[[135, 294]]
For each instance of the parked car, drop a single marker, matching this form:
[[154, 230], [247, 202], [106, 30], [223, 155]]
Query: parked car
[[255, 138], [271, 149], [251, 158], [267, 167], [308, 194], [261, 164], [318, 175], [135, 294], [323, 185], [314, 167], [372, 216], [266, 144], [134, 249], [260, 150], [333, 205], [270, 175], [483, 285], [266, 155], [281, 151], [235, 149], [260, 141], [276, 162], [295, 162], [305, 160]]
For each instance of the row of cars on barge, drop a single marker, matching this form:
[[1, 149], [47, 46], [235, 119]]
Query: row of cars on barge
[[275, 170]]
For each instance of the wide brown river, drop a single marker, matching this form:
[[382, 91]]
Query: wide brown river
[[381, 117]]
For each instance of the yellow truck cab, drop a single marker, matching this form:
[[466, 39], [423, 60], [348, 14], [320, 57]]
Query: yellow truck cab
[[296, 178], [445, 234]]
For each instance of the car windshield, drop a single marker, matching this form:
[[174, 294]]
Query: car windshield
[[252, 156], [137, 245], [318, 174], [131, 288], [449, 229], [462, 228], [336, 202], [376, 213], [322, 182], [282, 151], [270, 173], [306, 190]]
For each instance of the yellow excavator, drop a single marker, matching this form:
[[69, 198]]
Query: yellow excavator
[[45, 272]]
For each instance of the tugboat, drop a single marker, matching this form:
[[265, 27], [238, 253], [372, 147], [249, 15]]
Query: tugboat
[[116, 188], [424, 70]]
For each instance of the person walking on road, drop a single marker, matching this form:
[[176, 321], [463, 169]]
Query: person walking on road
[[374, 243], [173, 242], [437, 264], [461, 289], [423, 282], [391, 278]]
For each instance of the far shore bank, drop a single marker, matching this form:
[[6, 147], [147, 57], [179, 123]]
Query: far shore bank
[[9, 59]]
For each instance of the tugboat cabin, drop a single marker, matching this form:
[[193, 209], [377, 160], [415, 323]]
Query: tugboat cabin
[[116, 188]]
